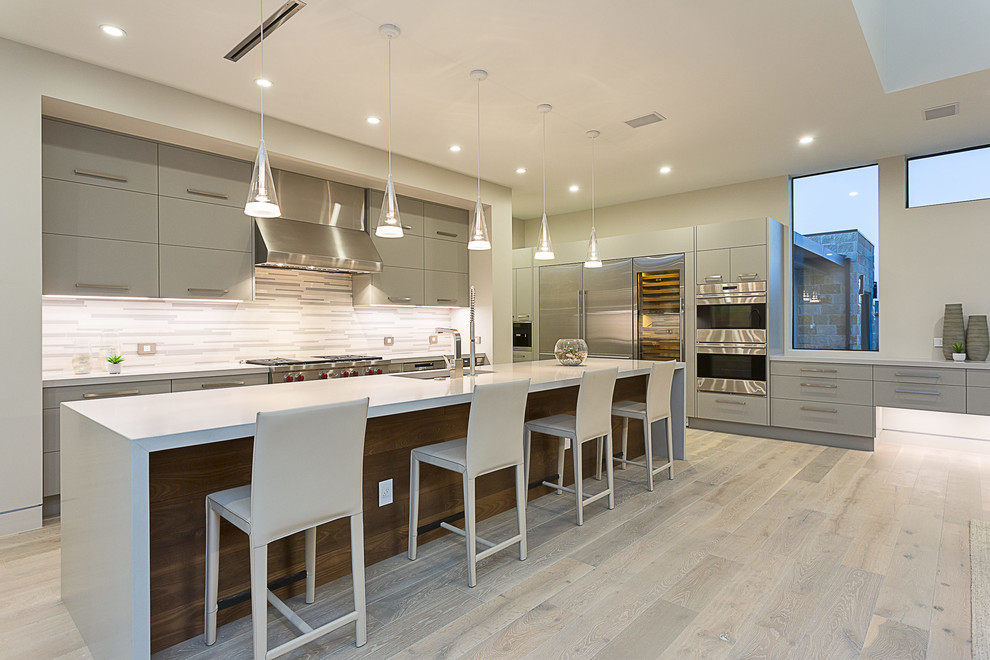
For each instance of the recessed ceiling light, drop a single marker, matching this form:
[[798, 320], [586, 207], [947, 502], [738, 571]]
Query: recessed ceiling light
[[665, 169], [574, 187], [853, 194], [807, 139], [112, 30], [455, 148], [374, 120], [263, 82], [520, 170]]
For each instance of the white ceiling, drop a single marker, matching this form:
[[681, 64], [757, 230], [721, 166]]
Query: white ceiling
[[739, 83]]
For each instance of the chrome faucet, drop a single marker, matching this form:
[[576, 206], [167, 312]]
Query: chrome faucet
[[455, 364]]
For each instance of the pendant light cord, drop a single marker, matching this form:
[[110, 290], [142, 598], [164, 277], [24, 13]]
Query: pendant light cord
[[479, 139], [593, 183], [544, 164], [261, 33], [390, 106]]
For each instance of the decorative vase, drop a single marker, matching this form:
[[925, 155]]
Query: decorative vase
[[114, 367], [977, 338], [952, 328], [570, 352]]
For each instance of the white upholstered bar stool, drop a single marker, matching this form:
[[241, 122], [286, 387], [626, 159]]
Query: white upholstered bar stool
[[656, 407], [495, 425], [590, 422], [307, 470]]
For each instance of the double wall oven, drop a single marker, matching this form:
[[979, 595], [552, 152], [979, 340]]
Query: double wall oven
[[732, 338]]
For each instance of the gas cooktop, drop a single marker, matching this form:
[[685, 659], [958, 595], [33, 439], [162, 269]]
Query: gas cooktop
[[316, 359]]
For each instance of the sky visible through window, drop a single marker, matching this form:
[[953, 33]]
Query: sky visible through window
[[957, 177]]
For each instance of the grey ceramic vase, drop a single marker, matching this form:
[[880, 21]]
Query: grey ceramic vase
[[977, 338], [952, 328]]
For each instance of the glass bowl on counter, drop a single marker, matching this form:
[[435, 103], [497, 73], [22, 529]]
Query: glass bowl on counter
[[570, 352]]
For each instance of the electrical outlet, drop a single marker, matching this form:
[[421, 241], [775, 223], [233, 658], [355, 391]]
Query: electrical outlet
[[147, 349], [384, 492], [389, 340], [434, 340], [477, 340], [938, 342]]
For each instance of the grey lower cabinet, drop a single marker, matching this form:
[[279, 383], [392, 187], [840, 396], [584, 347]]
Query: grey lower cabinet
[[920, 396], [978, 392], [444, 289], [217, 382], [733, 408], [824, 397], [96, 157], [75, 265], [207, 274], [393, 286], [77, 209], [203, 177], [828, 417]]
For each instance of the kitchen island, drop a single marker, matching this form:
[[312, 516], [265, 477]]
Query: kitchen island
[[136, 470]]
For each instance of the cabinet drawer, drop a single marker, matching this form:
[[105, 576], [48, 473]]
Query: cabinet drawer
[[732, 234], [835, 390], [75, 209], [920, 396], [203, 177], [821, 370], [53, 396], [445, 223], [195, 224], [445, 255], [50, 429], [978, 400], [218, 382], [410, 212], [73, 265], [522, 356], [748, 264], [978, 377], [712, 266], [208, 274], [446, 289], [828, 417], [51, 473], [87, 155], [733, 408], [920, 375], [405, 252]]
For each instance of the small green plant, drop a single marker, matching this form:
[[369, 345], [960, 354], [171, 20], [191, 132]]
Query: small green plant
[[115, 359], [958, 348]]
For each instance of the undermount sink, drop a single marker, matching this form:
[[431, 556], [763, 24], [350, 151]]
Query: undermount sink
[[435, 374]]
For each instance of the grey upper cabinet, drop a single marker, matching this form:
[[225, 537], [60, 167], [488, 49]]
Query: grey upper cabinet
[[76, 209], [188, 272], [737, 233], [522, 294], [410, 212], [747, 264], [446, 288], [88, 155], [445, 223], [713, 266], [194, 224], [74, 265], [203, 177], [405, 252], [393, 286], [445, 255]]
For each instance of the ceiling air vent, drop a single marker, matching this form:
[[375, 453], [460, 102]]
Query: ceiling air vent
[[284, 13], [646, 120], [942, 111]]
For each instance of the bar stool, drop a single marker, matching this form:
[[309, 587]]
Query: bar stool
[[302, 475], [657, 407], [492, 443], [591, 421]]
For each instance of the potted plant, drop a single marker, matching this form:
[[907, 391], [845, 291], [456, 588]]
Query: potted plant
[[958, 352], [114, 361]]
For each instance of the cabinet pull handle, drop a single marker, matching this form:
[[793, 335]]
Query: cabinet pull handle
[[900, 375], [207, 193], [213, 386], [735, 403], [821, 371], [748, 276], [407, 227], [523, 317], [115, 287], [822, 385], [447, 233], [446, 299], [105, 395], [100, 175], [221, 292], [713, 278], [391, 299], [824, 410], [918, 392]]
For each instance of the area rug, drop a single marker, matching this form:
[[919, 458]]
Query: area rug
[[979, 551]]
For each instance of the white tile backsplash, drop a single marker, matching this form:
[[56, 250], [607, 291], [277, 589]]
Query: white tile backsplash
[[294, 314]]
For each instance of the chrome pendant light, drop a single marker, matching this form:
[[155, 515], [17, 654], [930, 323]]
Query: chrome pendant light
[[262, 202], [478, 238], [544, 248], [594, 259], [389, 225]]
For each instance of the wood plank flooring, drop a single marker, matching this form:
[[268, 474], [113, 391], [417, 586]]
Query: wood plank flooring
[[757, 548]]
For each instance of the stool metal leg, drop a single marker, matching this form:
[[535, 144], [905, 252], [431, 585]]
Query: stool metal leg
[[413, 505], [648, 440], [527, 441], [310, 564], [521, 490], [578, 495], [609, 472], [561, 448], [598, 468], [212, 572], [259, 600], [357, 573], [625, 442], [470, 533], [670, 449]]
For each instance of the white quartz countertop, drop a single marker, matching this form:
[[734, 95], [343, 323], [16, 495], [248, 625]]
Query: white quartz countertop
[[138, 374], [892, 362], [163, 421]]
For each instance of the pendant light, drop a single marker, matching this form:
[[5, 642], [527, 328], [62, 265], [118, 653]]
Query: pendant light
[[594, 259], [544, 248], [478, 239], [262, 202], [389, 225]]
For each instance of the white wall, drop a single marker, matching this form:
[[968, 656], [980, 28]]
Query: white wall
[[83, 92]]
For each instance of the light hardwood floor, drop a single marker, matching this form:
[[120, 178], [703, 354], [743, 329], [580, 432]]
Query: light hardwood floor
[[757, 549]]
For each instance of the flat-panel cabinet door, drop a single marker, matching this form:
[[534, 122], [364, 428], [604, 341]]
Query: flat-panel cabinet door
[[399, 286], [735, 233], [410, 212], [445, 255], [560, 299], [524, 293], [405, 252], [748, 264], [203, 177], [445, 222], [88, 155], [195, 224], [713, 266], [208, 274], [76, 209], [98, 267], [446, 288], [607, 309]]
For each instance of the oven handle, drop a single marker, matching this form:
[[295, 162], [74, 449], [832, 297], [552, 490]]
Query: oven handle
[[730, 299], [732, 349]]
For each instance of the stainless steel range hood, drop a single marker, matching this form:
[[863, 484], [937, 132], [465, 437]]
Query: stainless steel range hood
[[322, 228]]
